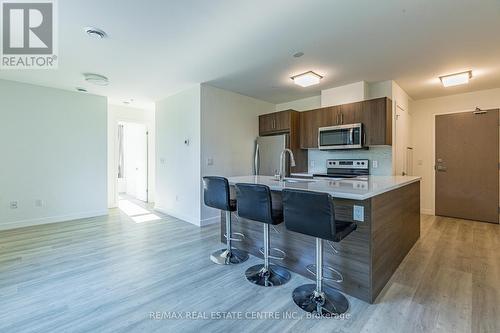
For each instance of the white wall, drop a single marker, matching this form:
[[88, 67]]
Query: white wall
[[178, 168], [348, 93], [303, 104], [423, 120], [229, 126], [119, 113], [53, 145]]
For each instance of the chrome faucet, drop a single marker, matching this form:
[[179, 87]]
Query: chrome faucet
[[282, 162]]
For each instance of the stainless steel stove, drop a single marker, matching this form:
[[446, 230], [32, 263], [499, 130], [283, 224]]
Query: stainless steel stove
[[342, 169]]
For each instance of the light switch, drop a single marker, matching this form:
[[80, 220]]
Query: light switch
[[358, 213], [210, 161], [375, 164]]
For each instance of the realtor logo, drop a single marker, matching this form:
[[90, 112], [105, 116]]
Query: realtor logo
[[28, 34]]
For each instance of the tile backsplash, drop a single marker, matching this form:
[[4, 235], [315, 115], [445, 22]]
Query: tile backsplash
[[381, 154]]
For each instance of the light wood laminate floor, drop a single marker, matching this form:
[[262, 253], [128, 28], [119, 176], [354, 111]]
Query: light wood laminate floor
[[108, 273]]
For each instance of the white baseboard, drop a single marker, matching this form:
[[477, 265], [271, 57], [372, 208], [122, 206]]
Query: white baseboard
[[427, 211], [177, 215], [51, 219], [189, 219]]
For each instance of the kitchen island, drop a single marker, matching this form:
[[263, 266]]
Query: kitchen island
[[385, 208]]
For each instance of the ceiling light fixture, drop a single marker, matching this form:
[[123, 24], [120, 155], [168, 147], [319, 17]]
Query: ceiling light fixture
[[306, 79], [298, 54], [96, 79], [456, 79], [96, 33]]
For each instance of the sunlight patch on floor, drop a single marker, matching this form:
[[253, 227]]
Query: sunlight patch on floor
[[136, 212]]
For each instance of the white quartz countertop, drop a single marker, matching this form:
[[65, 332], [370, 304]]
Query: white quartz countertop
[[353, 188]]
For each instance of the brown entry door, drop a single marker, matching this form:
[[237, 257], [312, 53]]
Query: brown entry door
[[466, 171]]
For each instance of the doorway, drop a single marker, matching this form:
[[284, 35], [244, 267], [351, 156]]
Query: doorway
[[403, 151], [466, 168], [132, 181]]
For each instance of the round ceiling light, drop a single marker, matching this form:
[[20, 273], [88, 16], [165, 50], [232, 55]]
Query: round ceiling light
[[96, 79], [96, 33], [298, 54]]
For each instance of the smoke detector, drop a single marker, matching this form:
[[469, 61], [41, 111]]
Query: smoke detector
[[95, 32], [96, 79]]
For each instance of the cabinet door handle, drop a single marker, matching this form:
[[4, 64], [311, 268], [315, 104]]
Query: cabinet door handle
[[341, 118], [337, 122]]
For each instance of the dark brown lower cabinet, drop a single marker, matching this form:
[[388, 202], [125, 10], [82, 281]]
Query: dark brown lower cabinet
[[367, 258]]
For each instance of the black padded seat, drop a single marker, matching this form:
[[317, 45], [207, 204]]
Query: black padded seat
[[342, 229], [254, 203]]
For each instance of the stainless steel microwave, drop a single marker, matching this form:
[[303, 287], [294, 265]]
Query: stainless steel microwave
[[348, 136]]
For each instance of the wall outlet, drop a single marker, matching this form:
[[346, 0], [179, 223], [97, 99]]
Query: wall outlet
[[358, 213], [39, 203], [210, 161], [162, 160], [13, 205], [374, 164]]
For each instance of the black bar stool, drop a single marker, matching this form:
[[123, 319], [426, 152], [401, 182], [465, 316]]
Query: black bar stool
[[254, 203], [216, 194], [313, 214]]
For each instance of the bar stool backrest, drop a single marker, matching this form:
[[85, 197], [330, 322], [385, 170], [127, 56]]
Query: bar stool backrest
[[216, 192], [254, 202], [309, 213]]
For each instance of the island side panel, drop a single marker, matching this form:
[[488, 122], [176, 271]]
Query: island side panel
[[353, 259], [395, 229]]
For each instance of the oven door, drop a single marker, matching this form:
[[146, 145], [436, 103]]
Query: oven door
[[341, 137]]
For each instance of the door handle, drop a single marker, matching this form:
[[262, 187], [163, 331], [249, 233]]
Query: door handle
[[440, 168], [256, 160]]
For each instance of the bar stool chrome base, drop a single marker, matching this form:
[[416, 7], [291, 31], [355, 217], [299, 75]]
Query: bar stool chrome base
[[330, 301], [274, 276], [229, 257]]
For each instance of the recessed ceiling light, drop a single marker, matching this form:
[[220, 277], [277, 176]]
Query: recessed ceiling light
[[456, 79], [306, 79], [96, 33], [97, 79], [298, 54], [81, 89]]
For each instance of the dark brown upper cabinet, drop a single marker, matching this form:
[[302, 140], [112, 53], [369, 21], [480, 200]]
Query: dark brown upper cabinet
[[286, 122], [275, 123], [377, 121], [375, 115]]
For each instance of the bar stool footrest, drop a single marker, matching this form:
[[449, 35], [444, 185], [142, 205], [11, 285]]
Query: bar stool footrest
[[261, 250], [241, 237], [312, 269]]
